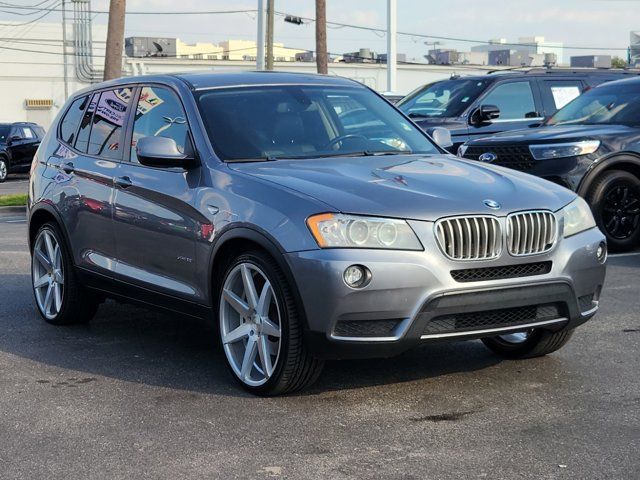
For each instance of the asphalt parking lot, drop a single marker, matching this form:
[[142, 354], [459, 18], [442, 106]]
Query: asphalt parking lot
[[139, 394]]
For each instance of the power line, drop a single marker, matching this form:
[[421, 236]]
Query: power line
[[48, 12], [179, 12], [452, 39]]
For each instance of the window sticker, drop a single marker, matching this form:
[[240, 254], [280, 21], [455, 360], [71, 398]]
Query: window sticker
[[563, 95]]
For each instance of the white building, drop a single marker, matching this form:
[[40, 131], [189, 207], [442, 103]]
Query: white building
[[538, 45]]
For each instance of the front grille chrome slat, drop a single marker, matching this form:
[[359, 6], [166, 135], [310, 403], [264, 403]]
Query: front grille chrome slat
[[531, 233], [470, 237]]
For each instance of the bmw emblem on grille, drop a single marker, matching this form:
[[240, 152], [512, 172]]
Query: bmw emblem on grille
[[488, 157], [492, 204]]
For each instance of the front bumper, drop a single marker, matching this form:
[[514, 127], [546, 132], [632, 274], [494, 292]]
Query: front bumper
[[412, 296]]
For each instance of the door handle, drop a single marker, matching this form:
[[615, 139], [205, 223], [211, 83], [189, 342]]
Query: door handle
[[68, 168], [123, 182]]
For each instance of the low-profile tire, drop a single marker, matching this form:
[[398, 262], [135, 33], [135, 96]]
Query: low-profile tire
[[4, 169], [615, 200], [530, 344], [260, 330], [59, 296]]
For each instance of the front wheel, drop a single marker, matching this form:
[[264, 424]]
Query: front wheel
[[4, 170], [260, 328], [529, 344], [615, 201]]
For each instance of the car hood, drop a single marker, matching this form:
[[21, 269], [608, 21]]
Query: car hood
[[557, 133], [420, 187]]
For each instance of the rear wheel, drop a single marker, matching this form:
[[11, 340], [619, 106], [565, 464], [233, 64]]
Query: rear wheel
[[528, 344], [615, 201], [4, 170], [260, 328], [60, 298]]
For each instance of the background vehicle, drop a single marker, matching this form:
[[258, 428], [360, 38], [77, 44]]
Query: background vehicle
[[18, 144], [308, 217], [591, 146], [477, 106]]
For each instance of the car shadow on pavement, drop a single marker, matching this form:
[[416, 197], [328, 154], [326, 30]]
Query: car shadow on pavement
[[134, 344]]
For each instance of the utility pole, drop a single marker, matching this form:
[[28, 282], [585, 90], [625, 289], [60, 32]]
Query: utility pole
[[392, 50], [270, 34], [260, 39], [115, 39], [321, 36]]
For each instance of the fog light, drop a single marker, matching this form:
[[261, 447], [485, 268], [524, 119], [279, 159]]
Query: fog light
[[601, 252], [356, 276]]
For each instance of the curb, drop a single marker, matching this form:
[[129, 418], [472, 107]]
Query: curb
[[21, 210]]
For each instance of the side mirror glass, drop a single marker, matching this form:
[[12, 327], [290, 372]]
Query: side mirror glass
[[485, 114], [162, 152], [14, 138], [442, 137]]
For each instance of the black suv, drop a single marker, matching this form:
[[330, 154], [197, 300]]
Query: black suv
[[18, 144], [477, 106], [591, 146]]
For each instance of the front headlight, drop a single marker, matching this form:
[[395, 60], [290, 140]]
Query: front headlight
[[577, 217], [563, 150], [462, 149], [334, 230]]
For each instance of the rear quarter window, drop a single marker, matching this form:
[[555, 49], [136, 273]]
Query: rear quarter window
[[71, 120]]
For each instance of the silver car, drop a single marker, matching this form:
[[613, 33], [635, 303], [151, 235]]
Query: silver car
[[307, 218]]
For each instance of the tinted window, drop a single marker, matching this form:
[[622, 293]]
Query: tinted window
[[159, 113], [4, 133], [558, 93], [448, 98], [515, 100], [69, 125], [606, 105], [27, 133], [85, 125], [107, 123], [305, 122]]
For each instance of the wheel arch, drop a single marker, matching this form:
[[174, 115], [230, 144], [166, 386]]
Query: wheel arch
[[239, 239], [627, 161], [41, 214]]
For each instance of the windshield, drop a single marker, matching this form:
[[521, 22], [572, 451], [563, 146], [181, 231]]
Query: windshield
[[295, 121], [4, 133], [607, 105], [448, 98]]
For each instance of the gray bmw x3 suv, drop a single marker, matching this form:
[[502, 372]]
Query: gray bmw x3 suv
[[305, 215]]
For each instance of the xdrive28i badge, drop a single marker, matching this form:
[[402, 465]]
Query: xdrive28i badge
[[492, 204], [488, 157]]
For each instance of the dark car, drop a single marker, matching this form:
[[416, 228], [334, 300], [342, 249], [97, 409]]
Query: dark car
[[307, 218], [478, 106], [18, 144], [591, 146]]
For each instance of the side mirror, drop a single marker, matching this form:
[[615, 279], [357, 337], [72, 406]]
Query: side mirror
[[442, 136], [485, 113], [162, 152], [14, 138]]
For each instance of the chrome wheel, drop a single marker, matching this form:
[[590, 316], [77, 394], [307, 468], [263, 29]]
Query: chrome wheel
[[515, 338], [3, 170], [250, 324], [48, 274]]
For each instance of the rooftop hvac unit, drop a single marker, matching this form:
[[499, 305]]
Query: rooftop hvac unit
[[38, 103]]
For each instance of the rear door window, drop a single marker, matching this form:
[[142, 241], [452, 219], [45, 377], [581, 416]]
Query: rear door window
[[557, 93], [85, 125], [71, 120], [108, 121], [514, 99]]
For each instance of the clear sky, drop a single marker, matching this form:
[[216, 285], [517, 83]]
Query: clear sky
[[591, 23]]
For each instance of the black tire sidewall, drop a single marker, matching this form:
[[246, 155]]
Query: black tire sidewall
[[266, 265], [596, 196]]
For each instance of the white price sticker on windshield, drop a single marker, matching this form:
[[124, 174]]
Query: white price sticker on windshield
[[563, 95]]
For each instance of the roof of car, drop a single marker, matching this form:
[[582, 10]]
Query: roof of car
[[624, 81], [208, 79], [10, 124]]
